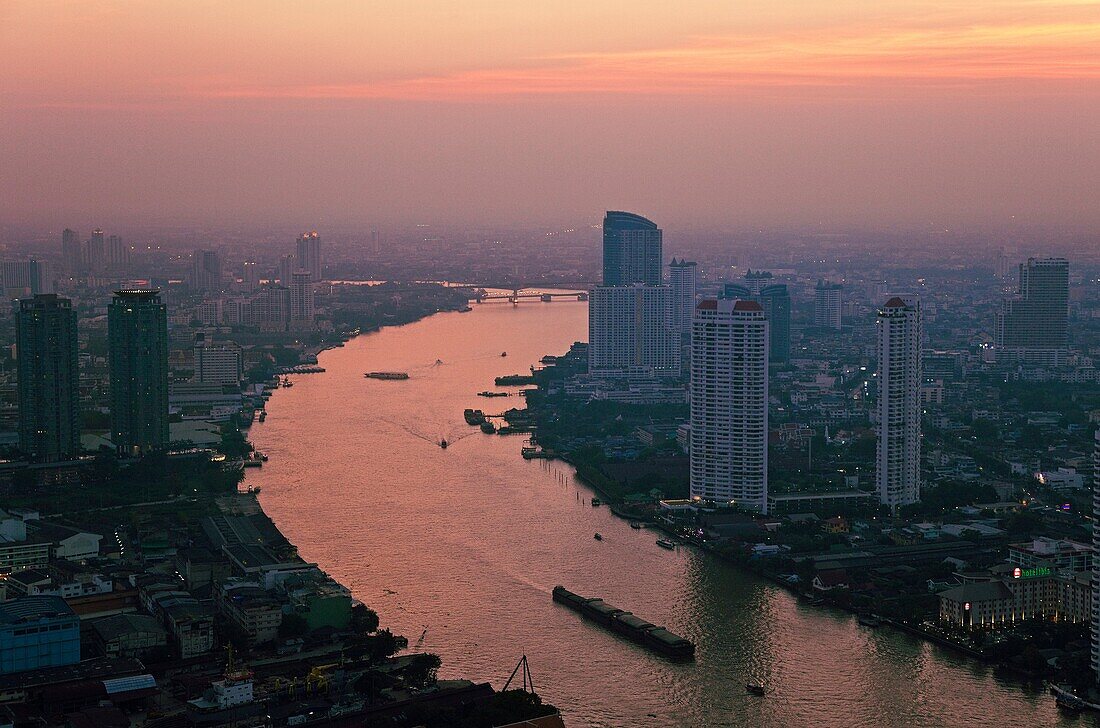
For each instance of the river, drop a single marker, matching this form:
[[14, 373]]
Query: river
[[467, 543]]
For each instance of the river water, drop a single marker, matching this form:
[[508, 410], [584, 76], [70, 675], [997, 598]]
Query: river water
[[467, 543]]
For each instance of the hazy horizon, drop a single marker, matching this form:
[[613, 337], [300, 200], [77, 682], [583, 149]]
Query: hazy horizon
[[910, 114]]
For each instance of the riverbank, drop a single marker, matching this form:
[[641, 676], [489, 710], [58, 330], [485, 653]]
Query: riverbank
[[761, 548], [463, 546]]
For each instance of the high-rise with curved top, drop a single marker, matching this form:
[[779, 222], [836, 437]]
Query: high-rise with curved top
[[631, 250]]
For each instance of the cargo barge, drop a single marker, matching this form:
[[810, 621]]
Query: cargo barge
[[627, 624]]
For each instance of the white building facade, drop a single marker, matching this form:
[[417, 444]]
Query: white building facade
[[898, 409], [728, 443], [629, 331]]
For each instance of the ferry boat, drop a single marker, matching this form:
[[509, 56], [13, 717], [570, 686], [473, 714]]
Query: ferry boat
[[666, 544], [386, 375], [487, 393]]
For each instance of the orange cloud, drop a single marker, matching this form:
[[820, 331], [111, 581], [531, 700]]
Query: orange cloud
[[963, 55]]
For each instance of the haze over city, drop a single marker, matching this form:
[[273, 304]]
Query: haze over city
[[488, 364], [704, 114]]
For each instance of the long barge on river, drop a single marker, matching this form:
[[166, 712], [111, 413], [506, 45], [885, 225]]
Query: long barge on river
[[627, 624]]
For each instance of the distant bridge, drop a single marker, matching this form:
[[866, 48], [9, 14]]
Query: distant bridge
[[518, 294]]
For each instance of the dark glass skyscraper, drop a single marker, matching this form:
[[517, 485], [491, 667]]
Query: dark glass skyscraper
[[49, 378], [776, 301], [631, 250], [137, 327]]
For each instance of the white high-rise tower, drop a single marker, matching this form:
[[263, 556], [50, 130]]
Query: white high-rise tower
[[729, 403], [897, 467]]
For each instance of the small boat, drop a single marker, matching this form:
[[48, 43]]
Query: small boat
[[869, 620], [260, 455], [488, 427], [1069, 702], [596, 502], [666, 544], [443, 444], [755, 688], [263, 415], [287, 382], [504, 353], [598, 537], [635, 525]]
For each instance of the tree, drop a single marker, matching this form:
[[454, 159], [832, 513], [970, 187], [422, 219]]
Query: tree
[[384, 644], [422, 670], [364, 619]]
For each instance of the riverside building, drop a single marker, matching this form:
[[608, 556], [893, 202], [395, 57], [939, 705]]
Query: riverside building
[[898, 407], [728, 446]]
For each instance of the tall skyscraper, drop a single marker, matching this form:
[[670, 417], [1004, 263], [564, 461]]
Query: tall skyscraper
[[118, 254], [301, 300], [1095, 558], [827, 305], [631, 250], [682, 278], [309, 254], [286, 269], [729, 403], [250, 275], [630, 333], [1034, 325], [776, 301], [206, 270], [137, 334], [95, 252], [897, 466], [49, 378], [71, 254], [25, 278]]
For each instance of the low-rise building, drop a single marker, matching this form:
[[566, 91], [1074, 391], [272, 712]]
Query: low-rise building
[[128, 635], [38, 632]]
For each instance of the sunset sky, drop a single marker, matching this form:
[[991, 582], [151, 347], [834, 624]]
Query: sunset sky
[[708, 112]]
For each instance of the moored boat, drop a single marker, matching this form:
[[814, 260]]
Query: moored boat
[[755, 688], [666, 544]]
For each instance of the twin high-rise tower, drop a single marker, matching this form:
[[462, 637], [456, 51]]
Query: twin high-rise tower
[[137, 331], [49, 378]]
